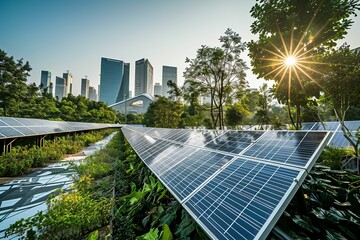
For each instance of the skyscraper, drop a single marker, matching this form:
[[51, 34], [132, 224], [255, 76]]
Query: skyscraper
[[46, 81], [114, 80], [68, 82], [168, 73], [157, 89], [92, 94], [143, 77], [85, 87], [60, 88]]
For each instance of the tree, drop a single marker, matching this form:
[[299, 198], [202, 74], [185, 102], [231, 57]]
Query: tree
[[235, 114], [13, 76], [262, 112], [218, 72], [164, 113], [341, 84], [291, 35]]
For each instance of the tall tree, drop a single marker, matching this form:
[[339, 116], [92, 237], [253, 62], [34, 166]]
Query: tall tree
[[291, 35], [13, 76], [342, 85], [218, 72]]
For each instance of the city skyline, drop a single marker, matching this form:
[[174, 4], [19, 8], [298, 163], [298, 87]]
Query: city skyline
[[151, 30]]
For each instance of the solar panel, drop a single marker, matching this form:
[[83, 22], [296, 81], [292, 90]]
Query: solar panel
[[20, 127], [235, 184], [237, 202]]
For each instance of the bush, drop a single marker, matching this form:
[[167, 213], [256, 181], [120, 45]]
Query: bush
[[16, 163], [21, 158], [332, 157]]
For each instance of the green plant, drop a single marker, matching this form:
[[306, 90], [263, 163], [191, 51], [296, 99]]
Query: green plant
[[332, 157]]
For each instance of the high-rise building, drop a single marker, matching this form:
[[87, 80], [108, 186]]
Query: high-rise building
[[114, 80], [143, 77], [68, 82], [92, 94], [46, 81], [157, 89], [60, 88], [85, 87], [168, 73], [124, 87]]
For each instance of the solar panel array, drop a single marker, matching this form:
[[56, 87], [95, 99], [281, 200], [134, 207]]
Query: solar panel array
[[338, 139], [22, 127], [235, 184]]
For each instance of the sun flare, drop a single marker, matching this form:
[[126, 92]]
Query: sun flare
[[290, 61]]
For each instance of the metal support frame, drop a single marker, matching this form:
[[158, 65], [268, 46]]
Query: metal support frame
[[6, 145], [300, 203], [40, 141], [74, 136]]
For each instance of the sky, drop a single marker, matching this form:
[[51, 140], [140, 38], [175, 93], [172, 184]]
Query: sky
[[73, 35]]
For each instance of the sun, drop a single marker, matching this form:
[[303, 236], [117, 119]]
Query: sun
[[290, 61]]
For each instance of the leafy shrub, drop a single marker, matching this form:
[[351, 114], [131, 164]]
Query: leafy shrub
[[16, 163], [83, 214], [332, 157]]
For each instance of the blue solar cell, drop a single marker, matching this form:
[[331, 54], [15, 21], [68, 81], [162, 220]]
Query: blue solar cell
[[290, 147], [2, 124], [11, 121], [186, 175], [351, 125], [9, 132], [237, 202], [307, 126], [329, 126], [26, 131], [234, 141]]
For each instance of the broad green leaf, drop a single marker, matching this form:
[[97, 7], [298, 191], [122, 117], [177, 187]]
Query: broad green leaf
[[153, 234], [166, 233], [93, 236]]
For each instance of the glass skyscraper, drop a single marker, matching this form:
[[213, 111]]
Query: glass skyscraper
[[114, 80], [85, 87], [68, 82], [143, 77], [157, 89], [168, 73], [60, 88], [45, 81]]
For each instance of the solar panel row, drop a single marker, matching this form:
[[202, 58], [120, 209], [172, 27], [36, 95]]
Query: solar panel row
[[20, 127], [235, 184]]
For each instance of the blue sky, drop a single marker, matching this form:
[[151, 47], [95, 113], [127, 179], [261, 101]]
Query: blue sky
[[74, 35]]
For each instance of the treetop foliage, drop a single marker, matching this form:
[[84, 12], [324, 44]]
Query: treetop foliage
[[17, 99]]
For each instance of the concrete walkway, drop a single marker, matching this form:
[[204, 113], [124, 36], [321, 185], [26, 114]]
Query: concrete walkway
[[25, 196]]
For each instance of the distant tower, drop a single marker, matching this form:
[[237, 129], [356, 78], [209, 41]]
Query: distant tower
[[157, 89], [114, 80], [143, 77], [68, 82], [92, 94], [85, 87], [46, 81], [60, 88], [168, 73]]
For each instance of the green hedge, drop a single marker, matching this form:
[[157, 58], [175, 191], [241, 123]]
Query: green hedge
[[21, 159]]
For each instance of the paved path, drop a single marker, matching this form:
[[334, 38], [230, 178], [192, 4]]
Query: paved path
[[25, 196]]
